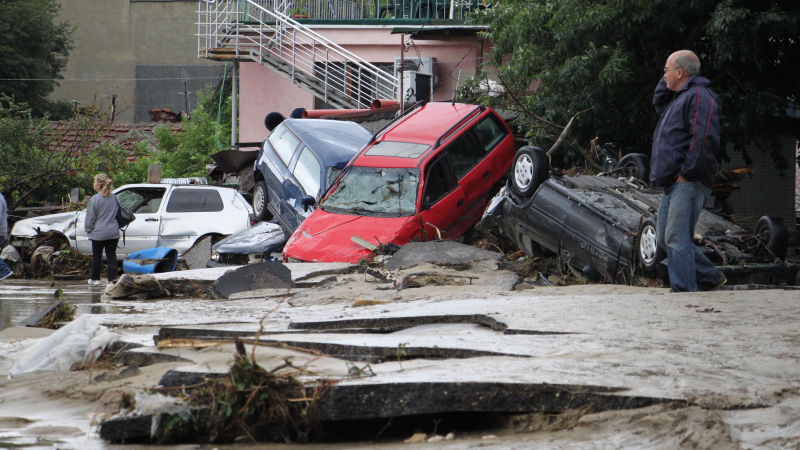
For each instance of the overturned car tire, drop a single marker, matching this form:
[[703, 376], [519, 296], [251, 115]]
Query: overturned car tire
[[529, 171], [648, 253], [635, 165], [773, 237]]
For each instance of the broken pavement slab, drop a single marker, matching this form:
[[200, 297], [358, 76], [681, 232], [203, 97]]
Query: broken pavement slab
[[647, 341], [259, 294], [299, 271], [446, 253], [506, 282], [265, 275], [371, 401], [197, 256], [399, 323], [37, 317]]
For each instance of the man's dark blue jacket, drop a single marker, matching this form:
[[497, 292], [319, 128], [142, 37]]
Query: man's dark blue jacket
[[687, 137]]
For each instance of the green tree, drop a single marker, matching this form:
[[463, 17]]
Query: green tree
[[33, 48], [187, 153], [41, 163], [605, 58]]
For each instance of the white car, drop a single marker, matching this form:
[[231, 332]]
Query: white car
[[173, 216]]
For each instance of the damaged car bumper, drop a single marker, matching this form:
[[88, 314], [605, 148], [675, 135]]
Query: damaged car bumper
[[252, 245]]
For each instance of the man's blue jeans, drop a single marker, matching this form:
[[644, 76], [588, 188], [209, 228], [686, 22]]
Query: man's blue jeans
[[677, 216]]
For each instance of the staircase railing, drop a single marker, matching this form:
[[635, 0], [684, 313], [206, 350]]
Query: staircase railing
[[258, 30]]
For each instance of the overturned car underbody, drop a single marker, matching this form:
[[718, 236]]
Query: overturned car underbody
[[605, 229]]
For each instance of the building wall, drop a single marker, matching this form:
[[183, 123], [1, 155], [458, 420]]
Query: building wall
[[263, 91], [768, 191], [114, 37], [161, 86]]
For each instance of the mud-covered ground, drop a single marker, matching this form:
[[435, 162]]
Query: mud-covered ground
[[729, 359]]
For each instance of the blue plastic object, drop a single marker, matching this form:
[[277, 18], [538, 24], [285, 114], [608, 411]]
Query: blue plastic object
[[151, 260]]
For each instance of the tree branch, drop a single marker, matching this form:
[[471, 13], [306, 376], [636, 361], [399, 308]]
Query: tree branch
[[565, 133], [30, 191], [525, 109]]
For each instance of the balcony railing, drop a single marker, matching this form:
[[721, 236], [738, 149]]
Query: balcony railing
[[251, 30], [358, 10]]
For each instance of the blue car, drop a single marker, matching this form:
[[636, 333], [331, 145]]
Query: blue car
[[297, 162]]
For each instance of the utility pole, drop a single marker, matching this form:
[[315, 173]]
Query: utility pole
[[185, 78]]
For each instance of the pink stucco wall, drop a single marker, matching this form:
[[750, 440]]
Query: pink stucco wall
[[263, 91]]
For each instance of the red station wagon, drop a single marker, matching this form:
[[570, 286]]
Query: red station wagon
[[427, 175]]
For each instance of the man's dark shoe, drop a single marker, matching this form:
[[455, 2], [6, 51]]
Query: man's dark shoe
[[8, 274], [721, 280]]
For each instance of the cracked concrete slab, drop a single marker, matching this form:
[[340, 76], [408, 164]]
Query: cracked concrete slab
[[260, 294], [400, 322], [299, 271], [265, 275], [197, 256], [446, 253], [733, 372], [369, 401], [506, 282]]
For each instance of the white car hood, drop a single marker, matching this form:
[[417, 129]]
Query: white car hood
[[62, 222]]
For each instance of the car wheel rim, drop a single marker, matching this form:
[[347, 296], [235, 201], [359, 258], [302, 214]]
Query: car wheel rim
[[523, 171], [763, 236], [631, 171], [258, 200], [648, 246]]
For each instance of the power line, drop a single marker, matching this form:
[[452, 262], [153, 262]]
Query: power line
[[181, 78], [456, 66]]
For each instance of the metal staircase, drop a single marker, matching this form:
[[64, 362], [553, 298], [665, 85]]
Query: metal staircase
[[261, 31]]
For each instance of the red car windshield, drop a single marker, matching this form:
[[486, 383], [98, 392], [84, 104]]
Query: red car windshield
[[373, 191]]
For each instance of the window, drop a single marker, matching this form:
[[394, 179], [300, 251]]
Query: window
[[194, 200], [141, 200], [374, 191], [438, 182], [308, 172], [398, 149], [463, 155], [330, 175], [284, 142], [490, 132]]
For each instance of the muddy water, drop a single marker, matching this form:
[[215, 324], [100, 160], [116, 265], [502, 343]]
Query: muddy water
[[20, 299]]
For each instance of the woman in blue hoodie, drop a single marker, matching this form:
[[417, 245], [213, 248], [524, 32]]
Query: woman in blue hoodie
[[102, 228]]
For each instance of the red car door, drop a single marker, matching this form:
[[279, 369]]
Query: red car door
[[442, 209], [480, 159]]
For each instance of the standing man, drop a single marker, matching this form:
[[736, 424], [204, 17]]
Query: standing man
[[684, 163], [5, 272]]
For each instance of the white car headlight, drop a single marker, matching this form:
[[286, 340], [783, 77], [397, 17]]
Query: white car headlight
[[214, 256]]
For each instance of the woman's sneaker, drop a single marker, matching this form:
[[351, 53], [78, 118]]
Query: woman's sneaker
[[94, 282]]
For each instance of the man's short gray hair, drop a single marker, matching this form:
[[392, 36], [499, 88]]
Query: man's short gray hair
[[689, 62]]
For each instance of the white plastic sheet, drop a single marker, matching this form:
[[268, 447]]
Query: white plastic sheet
[[156, 404], [77, 344], [10, 253]]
